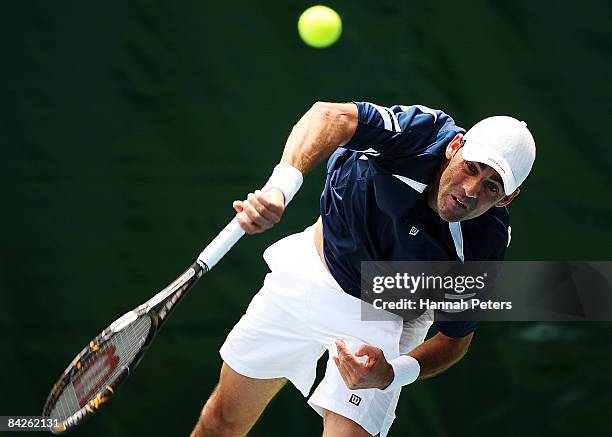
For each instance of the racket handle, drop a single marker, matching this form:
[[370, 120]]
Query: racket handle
[[233, 232], [221, 244]]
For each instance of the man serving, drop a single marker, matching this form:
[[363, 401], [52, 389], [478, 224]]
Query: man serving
[[404, 183]]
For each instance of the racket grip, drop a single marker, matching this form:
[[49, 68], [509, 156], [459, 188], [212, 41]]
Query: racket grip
[[221, 244]]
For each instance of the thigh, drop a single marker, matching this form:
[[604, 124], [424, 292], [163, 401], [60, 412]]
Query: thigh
[[242, 399], [335, 425]]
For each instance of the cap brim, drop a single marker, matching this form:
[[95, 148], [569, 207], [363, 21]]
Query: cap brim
[[473, 151]]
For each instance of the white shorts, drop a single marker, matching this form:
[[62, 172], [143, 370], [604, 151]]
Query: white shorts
[[297, 315]]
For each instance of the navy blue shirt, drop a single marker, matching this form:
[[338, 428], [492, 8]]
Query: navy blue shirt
[[374, 204]]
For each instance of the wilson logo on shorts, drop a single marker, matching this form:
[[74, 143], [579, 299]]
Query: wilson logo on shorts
[[354, 399]]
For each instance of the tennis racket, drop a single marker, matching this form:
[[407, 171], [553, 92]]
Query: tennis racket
[[106, 362]]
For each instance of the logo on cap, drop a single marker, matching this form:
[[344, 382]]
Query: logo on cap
[[501, 167]]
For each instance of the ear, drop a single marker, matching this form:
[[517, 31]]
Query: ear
[[505, 201], [455, 144]]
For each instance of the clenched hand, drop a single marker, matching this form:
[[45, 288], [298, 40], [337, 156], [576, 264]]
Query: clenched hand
[[260, 211], [376, 372]]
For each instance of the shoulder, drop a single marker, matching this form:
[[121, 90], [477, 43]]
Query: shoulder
[[399, 118], [401, 130]]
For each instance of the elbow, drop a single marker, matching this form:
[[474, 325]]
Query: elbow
[[341, 118], [319, 112], [335, 111], [324, 110], [463, 345], [457, 346]]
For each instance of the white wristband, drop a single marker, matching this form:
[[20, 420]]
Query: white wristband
[[286, 178], [406, 370]]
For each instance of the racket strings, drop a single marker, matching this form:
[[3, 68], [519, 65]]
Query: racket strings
[[106, 365]]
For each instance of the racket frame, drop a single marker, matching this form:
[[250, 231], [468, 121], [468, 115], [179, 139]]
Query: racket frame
[[169, 297], [166, 301]]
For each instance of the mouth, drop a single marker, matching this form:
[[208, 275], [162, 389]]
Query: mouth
[[459, 203]]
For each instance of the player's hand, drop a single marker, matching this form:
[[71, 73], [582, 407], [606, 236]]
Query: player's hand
[[260, 211], [376, 372]]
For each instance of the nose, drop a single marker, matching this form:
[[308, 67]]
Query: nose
[[471, 187]]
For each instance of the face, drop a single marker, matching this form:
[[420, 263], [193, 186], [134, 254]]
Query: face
[[466, 189]]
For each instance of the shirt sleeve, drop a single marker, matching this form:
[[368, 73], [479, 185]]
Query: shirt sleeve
[[455, 329], [397, 130]]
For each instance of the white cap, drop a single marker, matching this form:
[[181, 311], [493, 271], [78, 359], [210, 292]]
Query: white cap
[[505, 144]]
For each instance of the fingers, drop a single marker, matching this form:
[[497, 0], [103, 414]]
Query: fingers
[[237, 205], [356, 373], [371, 352], [344, 353], [344, 372], [260, 211], [348, 365], [363, 350], [245, 223], [344, 362], [273, 200]]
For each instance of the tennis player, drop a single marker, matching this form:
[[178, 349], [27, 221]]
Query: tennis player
[[403, 183]]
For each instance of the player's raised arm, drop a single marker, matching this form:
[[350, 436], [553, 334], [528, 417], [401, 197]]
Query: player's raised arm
[[325, 127]]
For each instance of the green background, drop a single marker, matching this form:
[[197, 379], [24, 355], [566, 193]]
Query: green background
[[127, 128]]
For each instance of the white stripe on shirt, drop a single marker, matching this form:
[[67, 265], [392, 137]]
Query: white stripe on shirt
[[455, 230], [385, 116], [416, 185], [395, 121], [422, 108]]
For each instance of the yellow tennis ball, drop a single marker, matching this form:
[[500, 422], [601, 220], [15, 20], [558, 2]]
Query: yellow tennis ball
[[320, 26]]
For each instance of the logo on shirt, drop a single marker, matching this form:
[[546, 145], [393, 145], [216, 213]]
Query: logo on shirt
[[413, 231], [355, 400]]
